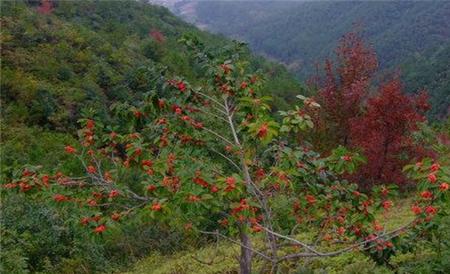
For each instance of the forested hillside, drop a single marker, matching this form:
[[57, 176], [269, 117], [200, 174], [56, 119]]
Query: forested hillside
[[303, 34], [70, 59], [129, 135], [88, 54]]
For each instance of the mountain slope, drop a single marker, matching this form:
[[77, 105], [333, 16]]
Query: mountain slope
[[301, 34], [87, 54], [57, 63]]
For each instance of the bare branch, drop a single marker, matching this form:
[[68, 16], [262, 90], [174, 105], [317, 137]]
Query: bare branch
[[218, 135], [314, 253], [228, 159], [212, 100]]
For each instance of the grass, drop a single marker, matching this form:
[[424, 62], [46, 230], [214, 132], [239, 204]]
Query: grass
[[221, 257]]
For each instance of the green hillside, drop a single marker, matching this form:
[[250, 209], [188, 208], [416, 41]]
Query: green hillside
[[430, 70], [134, 142], [87, 54], [82, 57], [302, 34]]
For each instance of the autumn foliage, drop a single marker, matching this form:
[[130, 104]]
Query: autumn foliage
[[46, 7], [384, 134], [354, 114], [344, 88], [157, 35]]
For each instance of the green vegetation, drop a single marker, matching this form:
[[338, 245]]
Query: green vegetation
[[221, 258], [413, 33], [431, 71], [56, 67], [87, 54], [121, 129]]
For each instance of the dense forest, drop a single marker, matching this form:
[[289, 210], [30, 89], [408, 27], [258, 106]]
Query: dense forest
[[134, 142], [403, 34]]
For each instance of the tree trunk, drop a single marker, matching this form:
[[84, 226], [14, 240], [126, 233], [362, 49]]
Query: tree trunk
[[245, 261]]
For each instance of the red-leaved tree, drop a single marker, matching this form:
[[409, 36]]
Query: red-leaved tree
[[157, 35], [384, 134], [381, 126], [46, 7], [343, 90]]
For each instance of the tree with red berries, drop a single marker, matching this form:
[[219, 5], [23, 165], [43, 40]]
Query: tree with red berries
[[212, 159]]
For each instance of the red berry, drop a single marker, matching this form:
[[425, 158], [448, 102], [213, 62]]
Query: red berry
[[84, 220], [151, 188], [346, 158], [92, 202], [311, 199], [114, 193], [146, 163], [214, 189], [60, 198], [91, 169], [100, 229], [156, 207], [161, 103], [181, 86], [90, 124], [426, 194], [377, 227], [262, 131], [256, 228], [432, 178], [115, 216], [435, 167], [431, 210], [45, 179], [193, 198], [70, 149], [416, 209], [387, 204]]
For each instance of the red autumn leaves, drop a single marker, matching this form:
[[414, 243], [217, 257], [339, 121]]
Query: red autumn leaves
[[46, 7], [70, 149], [178, 84], [384, 134], [262, 131], [380, 125], [157, 36]]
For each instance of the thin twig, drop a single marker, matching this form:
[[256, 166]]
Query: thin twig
[[218, 135], [228, 159]]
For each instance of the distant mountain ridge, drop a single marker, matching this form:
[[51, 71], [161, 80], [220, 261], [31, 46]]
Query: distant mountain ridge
[[301, 34]]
